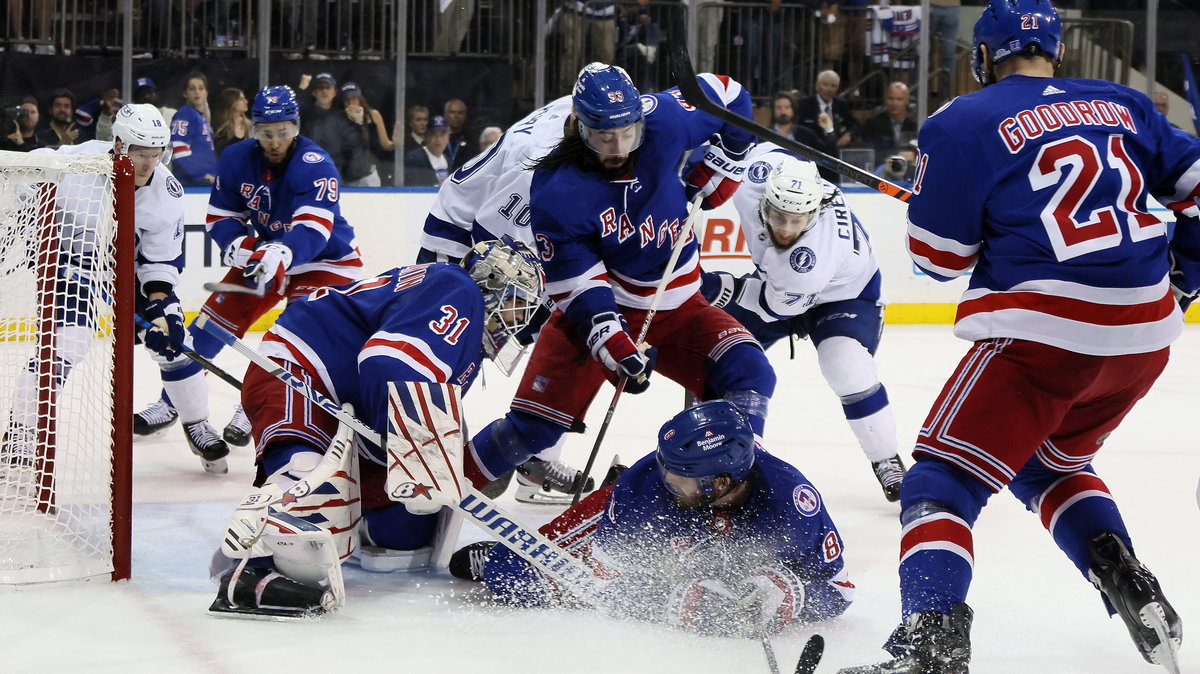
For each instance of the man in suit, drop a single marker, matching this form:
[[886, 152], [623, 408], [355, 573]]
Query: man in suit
[[828, 115], [892, 127]]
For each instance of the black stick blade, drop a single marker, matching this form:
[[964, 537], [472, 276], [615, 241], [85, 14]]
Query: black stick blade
[[811, 656]]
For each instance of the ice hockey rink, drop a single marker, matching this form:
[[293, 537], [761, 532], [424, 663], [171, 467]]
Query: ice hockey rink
[[1034, 613]]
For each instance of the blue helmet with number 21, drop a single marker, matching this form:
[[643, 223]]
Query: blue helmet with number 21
[[1008, 27]]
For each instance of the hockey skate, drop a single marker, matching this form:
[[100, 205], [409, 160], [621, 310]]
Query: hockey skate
[[927, 643], [467, 562], [890, 473], [237, 431], [548, 482], [497, 487], [18, 449], [1131, 591], [266, 594], [207, 445], [158, 416]]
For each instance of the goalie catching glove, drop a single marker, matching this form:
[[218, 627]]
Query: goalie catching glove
[[718, 175], [610, 343], [268, 265], [168, 336]]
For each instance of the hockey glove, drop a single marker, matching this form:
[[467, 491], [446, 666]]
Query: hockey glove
[[709, 607], [168, 335], [776, 594], [268, 264], [610, 343], [238, 253], [720, 287], [718, 176]]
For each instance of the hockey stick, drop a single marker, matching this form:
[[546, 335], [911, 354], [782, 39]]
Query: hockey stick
[[689, 226], [257, 291], [204, 362], [769, 651], [810, 657], [528, 543], [689, 86]]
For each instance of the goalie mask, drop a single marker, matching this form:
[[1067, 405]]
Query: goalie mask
[[142, 124], [703, 442], [512, 282], [792, 201]]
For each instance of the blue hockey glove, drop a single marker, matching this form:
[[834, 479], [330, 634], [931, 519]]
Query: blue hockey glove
[[720, 287], [168, 334]]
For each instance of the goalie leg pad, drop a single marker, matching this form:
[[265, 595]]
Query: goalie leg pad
[[425, 439]]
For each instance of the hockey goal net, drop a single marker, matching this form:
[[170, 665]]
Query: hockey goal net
[[66, 344]]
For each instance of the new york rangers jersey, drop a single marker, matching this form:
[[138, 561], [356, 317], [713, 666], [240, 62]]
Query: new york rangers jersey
[[607, 242], [1039, 185], [296, 203], [192, 149], [831, 262], [158, 216], [488, 197], [419, 323]]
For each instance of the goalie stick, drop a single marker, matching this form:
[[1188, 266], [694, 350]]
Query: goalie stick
[[689, 86], [527, 542], [204, 362], [689, 226]]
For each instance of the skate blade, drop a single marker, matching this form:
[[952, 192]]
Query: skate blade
[[1166, 653], [220, 609], [540, 497], [218, 467]]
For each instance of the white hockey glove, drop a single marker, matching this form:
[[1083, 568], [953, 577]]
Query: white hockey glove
[[610, 343], [238, 252], [720, 287], [777, 595], [268, 265], [425, 455]]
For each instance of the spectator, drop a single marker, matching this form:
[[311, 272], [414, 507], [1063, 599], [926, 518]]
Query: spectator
[[892, 127], [328, 126], [943, 22], [588, 32], [783, 121], [368, 124], [640, 36], [900, 168], [429, 165], [462, 147], [60, 128], [95, 118], [193, 158], [452, 23], [25, 118], [1162, 102], [230, 120], [144, 91], [826, 113], [488, 138], [417, 121]]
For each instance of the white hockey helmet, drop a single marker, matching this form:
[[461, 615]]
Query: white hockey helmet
[[142, 124], [792, 200]]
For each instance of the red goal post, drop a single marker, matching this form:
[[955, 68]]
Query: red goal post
[[67, 289]]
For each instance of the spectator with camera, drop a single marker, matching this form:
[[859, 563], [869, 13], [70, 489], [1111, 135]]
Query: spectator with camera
[[893, 126], [20, 121], [900, 167], [60, 128]]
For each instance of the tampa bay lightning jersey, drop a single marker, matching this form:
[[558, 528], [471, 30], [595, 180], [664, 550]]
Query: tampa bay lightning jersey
[[296, 203], [488, 196], [605, 242], [1040, 186], [643, 531], [158, 215], [192, 152], [831, 262], [418, 323]]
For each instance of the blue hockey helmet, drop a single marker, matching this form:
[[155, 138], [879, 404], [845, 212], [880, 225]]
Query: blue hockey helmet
[[608, 109], [513, 285], [705, 441], [275, 104], [1009, 26]]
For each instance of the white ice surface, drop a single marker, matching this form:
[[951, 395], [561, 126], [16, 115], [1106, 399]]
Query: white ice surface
[[1034, 612]]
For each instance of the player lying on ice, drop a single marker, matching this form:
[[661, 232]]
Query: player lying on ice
[[708, 533], [816, 276], [414, 330]]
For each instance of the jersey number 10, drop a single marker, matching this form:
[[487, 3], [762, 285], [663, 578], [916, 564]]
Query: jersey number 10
[[1070, 235]]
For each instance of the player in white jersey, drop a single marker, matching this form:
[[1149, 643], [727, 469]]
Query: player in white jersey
[[488, 198], [816, 277], [139, 132]]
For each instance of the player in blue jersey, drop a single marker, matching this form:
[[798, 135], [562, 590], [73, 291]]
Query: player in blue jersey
[[1040, 185], [274, 212], [816, 276], [707, 533], [424, 323], [606, 207]]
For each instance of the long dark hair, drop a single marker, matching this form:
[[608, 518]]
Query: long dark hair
[[573, 150]]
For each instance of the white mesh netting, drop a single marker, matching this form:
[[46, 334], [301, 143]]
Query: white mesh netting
[[57, 230]]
